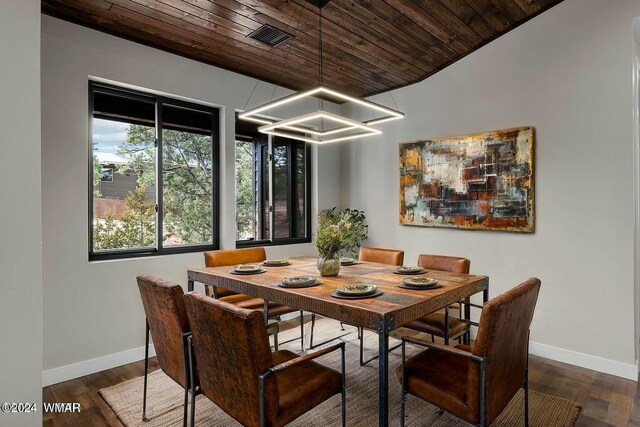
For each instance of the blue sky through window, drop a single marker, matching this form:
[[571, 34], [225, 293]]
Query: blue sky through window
[[107, 136]]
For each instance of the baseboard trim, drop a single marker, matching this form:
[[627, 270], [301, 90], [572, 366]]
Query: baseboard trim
[[80, 369], [86, 367], [607, 366]]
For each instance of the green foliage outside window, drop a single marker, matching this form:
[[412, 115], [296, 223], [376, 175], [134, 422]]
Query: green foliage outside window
[[135, 228], [187, 196], [244, 191]]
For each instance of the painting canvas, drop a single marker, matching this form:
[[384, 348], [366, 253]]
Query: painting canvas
[[482, 181]]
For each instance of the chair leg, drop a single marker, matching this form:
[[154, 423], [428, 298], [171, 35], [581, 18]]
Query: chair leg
[[186, 405], [192, 381], [275, 337], [193, 406], [302, 330], [446, 327], [313, 324], [344, 390], [403, 393], [146, 371], [360, 339], [526, 397]]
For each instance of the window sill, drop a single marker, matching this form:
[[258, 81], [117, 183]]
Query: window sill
[[279, 242], [125, 254]]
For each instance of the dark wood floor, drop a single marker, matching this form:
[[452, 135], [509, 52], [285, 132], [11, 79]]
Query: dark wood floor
[[606, 400]]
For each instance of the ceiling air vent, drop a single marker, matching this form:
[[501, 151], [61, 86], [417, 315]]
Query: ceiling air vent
[[270, 35]]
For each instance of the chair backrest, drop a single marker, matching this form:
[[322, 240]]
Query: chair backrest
[[231, 350], [381, 255], [503, 339], [232, 257], [453, 264], [164, 307]]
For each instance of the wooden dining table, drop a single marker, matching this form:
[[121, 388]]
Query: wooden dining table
[[383, 313]]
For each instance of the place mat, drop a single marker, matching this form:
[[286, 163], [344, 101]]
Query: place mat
[[335, 294]]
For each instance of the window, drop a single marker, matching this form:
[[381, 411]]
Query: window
[[153, 174], [272, 189], [107, 175]]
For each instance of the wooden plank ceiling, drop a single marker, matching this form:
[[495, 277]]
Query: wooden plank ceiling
[[369, 46]]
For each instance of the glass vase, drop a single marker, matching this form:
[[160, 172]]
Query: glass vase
[[329, 265]]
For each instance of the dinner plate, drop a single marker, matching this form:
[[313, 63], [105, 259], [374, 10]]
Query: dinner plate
[[409, 270], [247, 268], [357, 289], [347, 261], [298, 281], [247, 273], [335, 294], [420, 282], [275, 262], [419, 288], [315, 282]]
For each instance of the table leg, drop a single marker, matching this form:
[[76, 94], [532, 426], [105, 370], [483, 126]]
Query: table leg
[[485, 292], [190, 285], [467, 317], [383, 373]]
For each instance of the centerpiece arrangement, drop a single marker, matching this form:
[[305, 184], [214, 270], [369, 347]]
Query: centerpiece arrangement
[[338, 231]]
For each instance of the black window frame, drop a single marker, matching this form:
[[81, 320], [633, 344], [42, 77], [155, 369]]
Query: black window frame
[[159, 249], [249, 133]]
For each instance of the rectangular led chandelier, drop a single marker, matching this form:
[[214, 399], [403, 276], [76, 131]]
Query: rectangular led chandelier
[[301, 128]]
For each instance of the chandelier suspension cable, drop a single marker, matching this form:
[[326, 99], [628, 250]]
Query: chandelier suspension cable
[[394, 100], [358, 34], [273, 51], [320, 66], [312, 126], [286, 55], [389, 92]]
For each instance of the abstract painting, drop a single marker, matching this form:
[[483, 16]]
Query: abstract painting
[[482, 181]]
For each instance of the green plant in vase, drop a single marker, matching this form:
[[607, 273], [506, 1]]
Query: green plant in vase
[[338, 231]]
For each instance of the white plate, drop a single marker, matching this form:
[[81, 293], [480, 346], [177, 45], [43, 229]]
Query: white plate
[[298, 281], [247, 268], [409, 269], [275, 262], [357, 289], [420, 282]]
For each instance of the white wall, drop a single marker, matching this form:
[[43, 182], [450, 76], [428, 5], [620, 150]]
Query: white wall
[[568, 73], [93, 317], [20, 252]]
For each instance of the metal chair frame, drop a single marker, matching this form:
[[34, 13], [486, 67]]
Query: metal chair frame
[[265, 311], [186, 363], [482, 361], [313, 321], [263, 377]]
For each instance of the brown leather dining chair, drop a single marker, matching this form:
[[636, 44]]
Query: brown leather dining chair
[[440, 323], [382, 256], [239, 373], [231, 257], [167, 321], [476, 383]]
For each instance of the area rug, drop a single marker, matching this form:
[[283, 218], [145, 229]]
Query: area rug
[[164, 404]]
